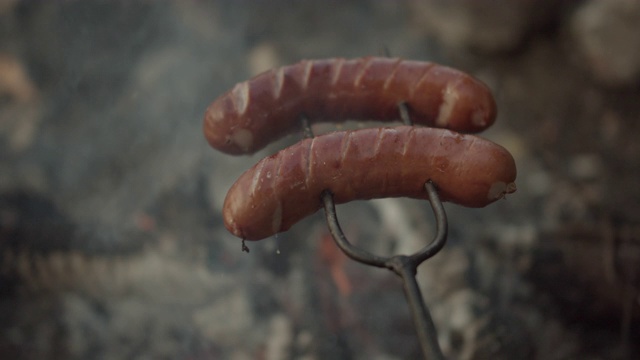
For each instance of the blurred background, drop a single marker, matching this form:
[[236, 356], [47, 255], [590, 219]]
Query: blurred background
[[111, 237]]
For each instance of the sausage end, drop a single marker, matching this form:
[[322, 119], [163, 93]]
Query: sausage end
[[499, 190]]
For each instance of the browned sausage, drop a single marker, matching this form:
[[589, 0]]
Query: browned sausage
[[364, 164], [258, 111]]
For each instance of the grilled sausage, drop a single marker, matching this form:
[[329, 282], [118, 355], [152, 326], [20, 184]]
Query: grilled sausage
[[267, 107], [363, 164]]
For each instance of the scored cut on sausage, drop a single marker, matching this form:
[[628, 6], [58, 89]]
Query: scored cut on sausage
[[269, 106], [364, 164]]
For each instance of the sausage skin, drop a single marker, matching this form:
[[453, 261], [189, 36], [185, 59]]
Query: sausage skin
[[363, 164], [267, 107]]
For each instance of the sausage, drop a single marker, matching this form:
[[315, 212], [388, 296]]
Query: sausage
[[364, 164], [267, 107]]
